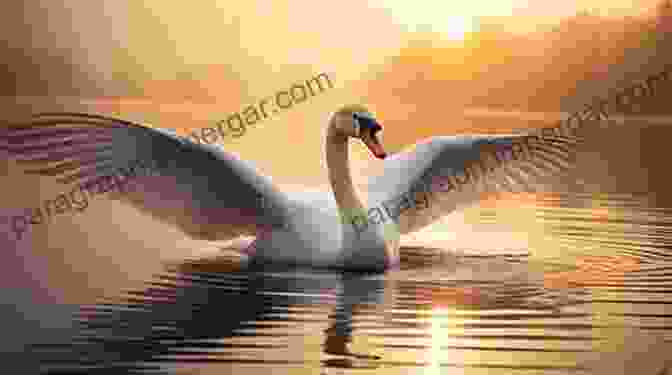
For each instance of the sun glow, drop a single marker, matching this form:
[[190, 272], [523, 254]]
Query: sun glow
[[456, 27], [441, 17]]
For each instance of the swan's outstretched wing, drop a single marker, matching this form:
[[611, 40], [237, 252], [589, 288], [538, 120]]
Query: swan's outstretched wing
[[206, 192], [444, 173], [457, 170]]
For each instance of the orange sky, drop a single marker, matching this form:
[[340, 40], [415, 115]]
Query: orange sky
[[262, 46]]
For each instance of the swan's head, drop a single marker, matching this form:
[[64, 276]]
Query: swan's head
[[355, 121]]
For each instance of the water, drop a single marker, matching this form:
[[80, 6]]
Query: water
[[601, 299], [589, 293]]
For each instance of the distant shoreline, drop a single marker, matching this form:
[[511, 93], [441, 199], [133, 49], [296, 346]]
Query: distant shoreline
[[142, 104], [476, 112]]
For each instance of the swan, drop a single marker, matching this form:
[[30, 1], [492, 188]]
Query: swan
[[213, 195]]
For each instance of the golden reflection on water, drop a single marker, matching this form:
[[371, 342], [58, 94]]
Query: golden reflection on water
[[438, 340]]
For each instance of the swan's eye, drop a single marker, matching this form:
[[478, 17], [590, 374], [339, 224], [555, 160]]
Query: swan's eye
[[366, 122], [356, 124]]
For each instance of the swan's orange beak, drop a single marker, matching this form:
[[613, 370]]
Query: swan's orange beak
[[373, 143]]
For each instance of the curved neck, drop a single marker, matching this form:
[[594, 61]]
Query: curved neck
[[338, 163]]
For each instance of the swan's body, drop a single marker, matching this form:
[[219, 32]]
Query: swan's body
[[212, 195], [328, 241]]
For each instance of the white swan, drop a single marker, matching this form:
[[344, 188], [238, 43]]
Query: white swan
[[212, 195]]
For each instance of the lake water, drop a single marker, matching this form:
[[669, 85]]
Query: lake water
[[588, 292]]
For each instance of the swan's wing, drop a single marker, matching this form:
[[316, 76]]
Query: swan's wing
[[459, 169], [444, 173], [206, 192]]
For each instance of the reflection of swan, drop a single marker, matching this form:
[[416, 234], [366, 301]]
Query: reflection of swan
[[212, 195], [165, 324]]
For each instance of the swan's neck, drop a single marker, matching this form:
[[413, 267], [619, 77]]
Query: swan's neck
[[340, 177]]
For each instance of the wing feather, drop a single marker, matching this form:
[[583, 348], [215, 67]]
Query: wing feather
[[206, 192], [473, 165]]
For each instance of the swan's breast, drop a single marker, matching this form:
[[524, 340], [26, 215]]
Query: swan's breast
[[313, 236]]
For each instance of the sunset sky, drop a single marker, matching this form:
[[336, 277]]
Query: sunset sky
[[242, 52]]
